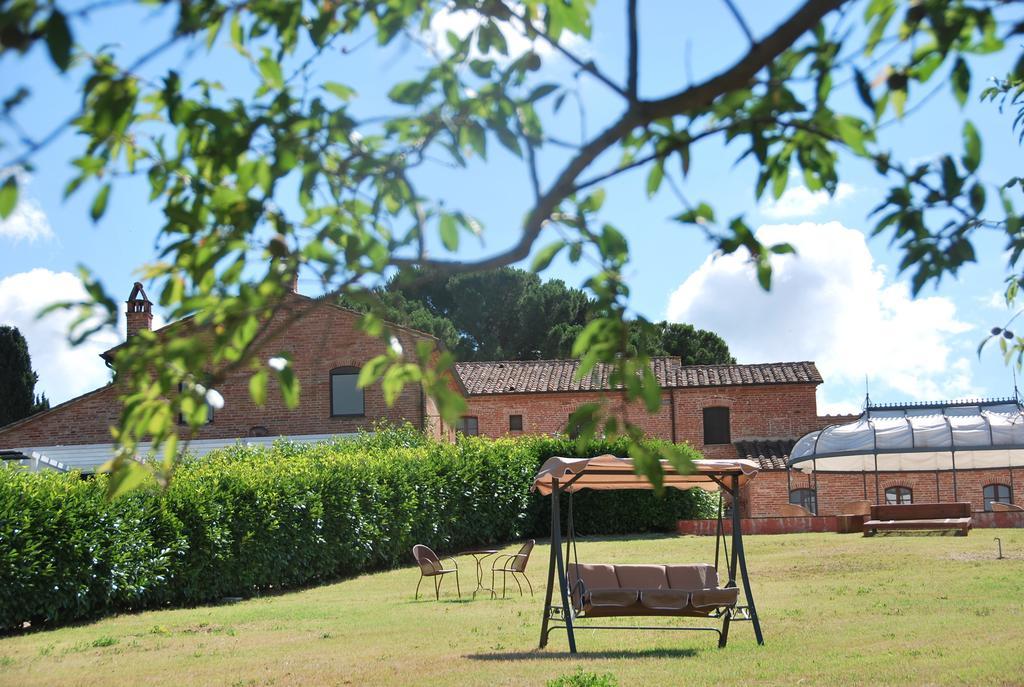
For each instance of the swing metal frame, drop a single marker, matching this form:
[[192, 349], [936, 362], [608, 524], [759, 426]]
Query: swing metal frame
[[562, 615]]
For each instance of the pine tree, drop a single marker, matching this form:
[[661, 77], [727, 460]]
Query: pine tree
[[17, 380]]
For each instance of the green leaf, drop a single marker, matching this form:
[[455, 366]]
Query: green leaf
[[654, 178], [170, 452], [289, 384], [237, 34], [960, 80], [977, 198], [899, 101], [340, 90], [702, 214], [972, 147], [125, 475], [407, 92], [258, 387], [372, 371], [780, 177], [449, 232], [99, 203], [541, 91], [58, 40], [507, 138], [212, 31], [852, 134], [270, 69], [476, 137], [864, 89], [8, 196], [764, 271], [546, 255]]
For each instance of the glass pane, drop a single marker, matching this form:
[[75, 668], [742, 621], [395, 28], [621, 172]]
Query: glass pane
[[895, 496], [803, 498], [346, 399], [468, 425], [716, 425], [997, 493]]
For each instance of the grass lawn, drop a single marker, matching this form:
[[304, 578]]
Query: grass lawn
[[835, 609]]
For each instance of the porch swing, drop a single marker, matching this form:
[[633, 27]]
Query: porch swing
[[598, 590]]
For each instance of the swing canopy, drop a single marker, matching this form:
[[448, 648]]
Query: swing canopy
[[609, 472], [602, 590]]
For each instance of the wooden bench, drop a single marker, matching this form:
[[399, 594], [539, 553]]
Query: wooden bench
[[920, 516]]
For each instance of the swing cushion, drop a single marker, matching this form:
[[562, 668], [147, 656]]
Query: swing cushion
[[602, 586], [602, 590], [691, 577], [641, 576], [713, 598]]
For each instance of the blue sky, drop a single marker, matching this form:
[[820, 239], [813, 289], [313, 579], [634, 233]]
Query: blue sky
[[841, 303]]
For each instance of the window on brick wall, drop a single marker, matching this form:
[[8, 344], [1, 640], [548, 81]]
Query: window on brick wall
[[805, 498], [515, 423], [346, 397], [996, 493], [716, 426], [897, 496], [468, 425], [209, 409]]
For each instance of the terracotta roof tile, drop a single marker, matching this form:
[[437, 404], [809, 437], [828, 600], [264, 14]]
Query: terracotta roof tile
[[540, 376], [769, 454]]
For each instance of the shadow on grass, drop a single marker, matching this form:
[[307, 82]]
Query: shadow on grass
[[584, 655], [582, 537], [442, 600]]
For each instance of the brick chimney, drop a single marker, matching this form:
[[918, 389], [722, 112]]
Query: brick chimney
[[139, 312]]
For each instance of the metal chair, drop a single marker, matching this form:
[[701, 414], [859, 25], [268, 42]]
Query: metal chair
[[514, 564], [431, 566]]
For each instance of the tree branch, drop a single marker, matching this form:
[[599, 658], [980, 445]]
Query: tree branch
[[741, 21], [640, 162], [634, 58], [701, 95], [35, 146], [531, 31]]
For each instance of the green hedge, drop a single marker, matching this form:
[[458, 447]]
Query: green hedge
[[250, 519]]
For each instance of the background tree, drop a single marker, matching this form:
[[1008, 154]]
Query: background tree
[[693, 346], [256, 184], [17, 379], [512, 314]]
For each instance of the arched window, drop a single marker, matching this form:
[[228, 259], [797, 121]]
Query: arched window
[[806, 498], [716, 426], [998, 493], [346, 397], [897, 496]]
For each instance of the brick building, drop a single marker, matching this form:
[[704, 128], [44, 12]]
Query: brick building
[[754, 411], [708, 406], [326, 349]]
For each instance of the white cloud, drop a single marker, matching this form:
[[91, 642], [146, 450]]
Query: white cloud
[[27, 222], [798, 202], [463, 22], [832, 304], [64, 371], [995, 300]]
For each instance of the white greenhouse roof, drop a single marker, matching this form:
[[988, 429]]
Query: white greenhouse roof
[[947, 436]]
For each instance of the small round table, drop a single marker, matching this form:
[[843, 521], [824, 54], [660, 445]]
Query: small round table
[[479, 555]]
